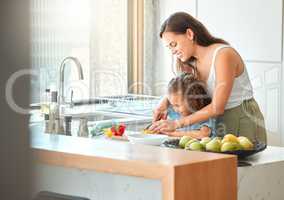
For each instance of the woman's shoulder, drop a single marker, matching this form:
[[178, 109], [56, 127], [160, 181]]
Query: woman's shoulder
[[225, 51], [220, 51], [226, 55]]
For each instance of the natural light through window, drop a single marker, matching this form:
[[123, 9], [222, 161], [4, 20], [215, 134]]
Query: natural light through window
[[95, 32]]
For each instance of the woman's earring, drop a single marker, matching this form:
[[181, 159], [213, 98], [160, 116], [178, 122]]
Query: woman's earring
[[193, 38]]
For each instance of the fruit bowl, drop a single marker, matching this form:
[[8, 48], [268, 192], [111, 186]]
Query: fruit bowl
[[171, 143], [258, 147]]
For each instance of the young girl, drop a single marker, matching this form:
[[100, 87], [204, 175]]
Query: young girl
[[187, 95]]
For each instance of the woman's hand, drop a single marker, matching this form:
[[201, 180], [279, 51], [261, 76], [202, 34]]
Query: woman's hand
[[161, 111], [159, 114], [164, 126]]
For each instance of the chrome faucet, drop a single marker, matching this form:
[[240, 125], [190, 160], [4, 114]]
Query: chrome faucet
[[61, 99]]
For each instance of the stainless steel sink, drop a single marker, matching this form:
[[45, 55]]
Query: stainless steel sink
[[95, 116], [133, 123]]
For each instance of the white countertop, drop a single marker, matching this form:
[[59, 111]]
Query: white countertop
[[271, 154]]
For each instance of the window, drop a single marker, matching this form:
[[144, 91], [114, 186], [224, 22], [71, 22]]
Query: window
[[94, 31], [158, 61]]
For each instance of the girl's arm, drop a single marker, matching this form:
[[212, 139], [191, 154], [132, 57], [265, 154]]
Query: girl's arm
[[197, 134], [225, 67]]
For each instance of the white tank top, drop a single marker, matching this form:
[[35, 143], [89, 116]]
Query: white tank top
[[242, 88]]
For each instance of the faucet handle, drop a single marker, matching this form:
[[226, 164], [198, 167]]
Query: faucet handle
[[71, 99]]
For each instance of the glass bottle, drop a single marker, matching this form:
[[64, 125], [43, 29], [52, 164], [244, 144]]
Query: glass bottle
[[45, 102], [83, 128], [46, 123]]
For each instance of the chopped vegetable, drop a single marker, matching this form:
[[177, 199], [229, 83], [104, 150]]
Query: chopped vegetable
[[108, 132], [115, 130]]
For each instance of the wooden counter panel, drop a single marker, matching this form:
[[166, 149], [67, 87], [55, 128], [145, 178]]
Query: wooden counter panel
[[130, 168], [205, 180]]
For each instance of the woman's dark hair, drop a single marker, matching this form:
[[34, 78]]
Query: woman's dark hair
[[193, 91], [179, 22]]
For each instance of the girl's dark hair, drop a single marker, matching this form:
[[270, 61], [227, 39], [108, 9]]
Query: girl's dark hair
[[193, 91], [179, 22]]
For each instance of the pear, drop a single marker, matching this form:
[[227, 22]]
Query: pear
[[195, 146], [205, 140], [230, 146], [189, 142], [214, 145], [183, 140], [217, 139], [245, 143], [229, 138]]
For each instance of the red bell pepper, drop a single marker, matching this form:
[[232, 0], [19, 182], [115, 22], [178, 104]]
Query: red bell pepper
[[118, 130], [121, 129]]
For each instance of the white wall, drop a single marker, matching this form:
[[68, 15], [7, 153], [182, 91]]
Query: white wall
[[255, 29]]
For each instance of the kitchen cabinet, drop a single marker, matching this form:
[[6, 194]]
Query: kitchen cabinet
[[253, 27], [266, 81]]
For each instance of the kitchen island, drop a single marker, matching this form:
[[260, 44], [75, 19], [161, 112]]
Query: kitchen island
[[264, 178], [106, 169]]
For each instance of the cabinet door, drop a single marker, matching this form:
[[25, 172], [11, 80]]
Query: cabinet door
[[253, 27], [266, 81]]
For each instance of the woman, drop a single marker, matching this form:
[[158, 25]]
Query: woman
[[222, 68]]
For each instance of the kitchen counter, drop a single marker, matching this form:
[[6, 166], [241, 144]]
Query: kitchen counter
[[182, 174], [264, 179]]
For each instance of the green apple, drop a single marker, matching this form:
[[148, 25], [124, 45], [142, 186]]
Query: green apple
[[205, 140], [245, 143], [195, 146], [214, 145], [183, 140]]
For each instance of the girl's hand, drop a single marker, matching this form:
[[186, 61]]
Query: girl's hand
[[164, 126]]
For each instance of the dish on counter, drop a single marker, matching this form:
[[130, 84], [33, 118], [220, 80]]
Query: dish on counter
[[148, 139]]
